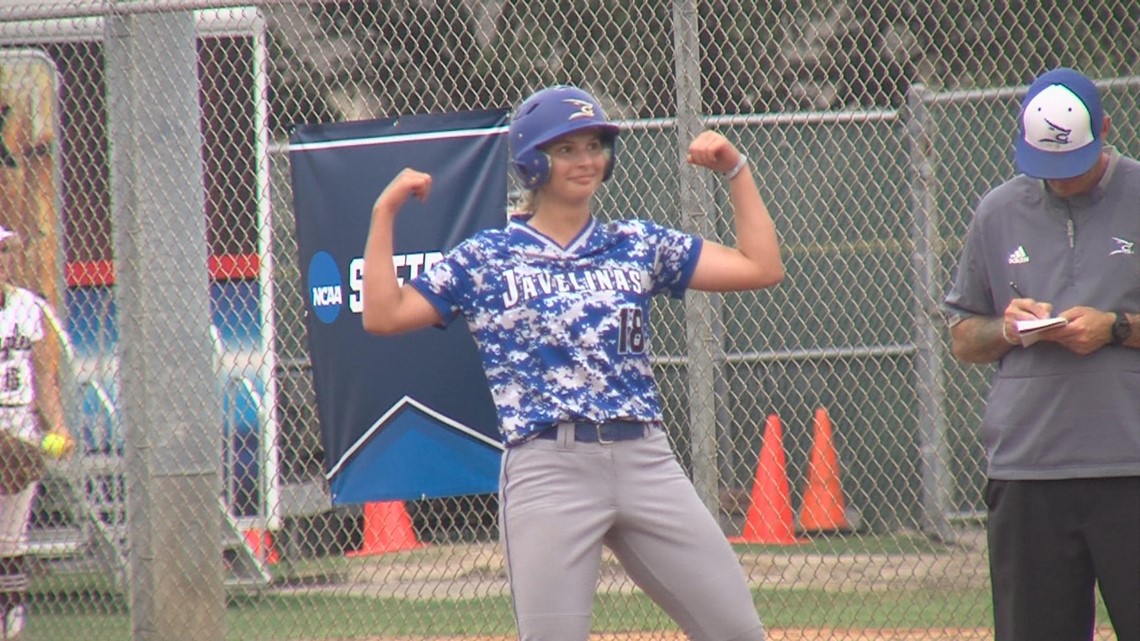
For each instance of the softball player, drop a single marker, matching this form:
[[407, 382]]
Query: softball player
[[21, 357], [558, 304]]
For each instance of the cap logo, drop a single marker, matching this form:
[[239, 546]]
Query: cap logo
[[1057, 120], [585, 108], [1060, 134]]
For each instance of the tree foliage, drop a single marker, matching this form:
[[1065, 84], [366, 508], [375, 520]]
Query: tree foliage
[[409, 56]]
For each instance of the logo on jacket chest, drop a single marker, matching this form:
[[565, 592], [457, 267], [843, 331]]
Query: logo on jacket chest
[[1122, 247]]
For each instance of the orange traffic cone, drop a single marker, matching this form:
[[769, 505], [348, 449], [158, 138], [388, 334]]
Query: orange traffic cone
[[823, 508], [769, 518], [387, 528], [260, 542]]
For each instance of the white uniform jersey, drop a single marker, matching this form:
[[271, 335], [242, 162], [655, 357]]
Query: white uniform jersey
[[21, 325]]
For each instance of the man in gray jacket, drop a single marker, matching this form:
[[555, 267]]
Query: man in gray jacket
[[1061, 427]]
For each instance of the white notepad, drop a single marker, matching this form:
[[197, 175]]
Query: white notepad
[[1027, 330]]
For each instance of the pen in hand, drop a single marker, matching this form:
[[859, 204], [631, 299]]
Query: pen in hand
[[1013, 286]]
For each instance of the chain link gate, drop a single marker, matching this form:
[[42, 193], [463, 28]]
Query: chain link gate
[[874, 127]]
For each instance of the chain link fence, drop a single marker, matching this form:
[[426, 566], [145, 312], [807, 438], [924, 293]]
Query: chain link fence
[[145, 161]]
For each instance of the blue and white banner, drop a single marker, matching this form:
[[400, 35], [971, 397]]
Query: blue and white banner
[[410, 416]]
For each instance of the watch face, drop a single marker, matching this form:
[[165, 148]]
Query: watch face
[[1121, 329]]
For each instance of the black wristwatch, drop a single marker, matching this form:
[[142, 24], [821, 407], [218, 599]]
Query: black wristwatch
[[1121, 329]]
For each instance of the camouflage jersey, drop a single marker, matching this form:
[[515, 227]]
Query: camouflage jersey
[[563, 332]]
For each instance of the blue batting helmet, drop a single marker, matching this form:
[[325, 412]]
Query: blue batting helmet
[[549, 114]]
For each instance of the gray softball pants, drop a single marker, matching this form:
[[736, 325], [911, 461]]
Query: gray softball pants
[[560, 501]]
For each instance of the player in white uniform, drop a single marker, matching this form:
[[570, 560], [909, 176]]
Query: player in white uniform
[[22, 357], [558, 304]]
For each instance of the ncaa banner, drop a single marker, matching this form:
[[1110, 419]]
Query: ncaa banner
[[403, 417]]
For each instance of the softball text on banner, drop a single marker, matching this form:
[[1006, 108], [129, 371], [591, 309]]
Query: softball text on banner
[[409, 416]]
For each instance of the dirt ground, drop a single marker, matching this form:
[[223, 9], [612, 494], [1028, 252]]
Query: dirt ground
[[931, 634], [477, 571], [945, 634]]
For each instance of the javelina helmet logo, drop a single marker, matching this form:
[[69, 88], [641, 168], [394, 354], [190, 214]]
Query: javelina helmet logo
[[585, 109]]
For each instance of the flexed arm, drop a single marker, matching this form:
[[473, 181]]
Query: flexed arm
[[755, 262], [389, 307]]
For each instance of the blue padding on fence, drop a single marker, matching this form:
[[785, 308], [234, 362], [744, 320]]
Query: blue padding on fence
[[97, 428], [235, 308], [243, 433]]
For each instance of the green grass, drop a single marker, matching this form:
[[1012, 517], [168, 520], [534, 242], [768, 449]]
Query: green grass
[[888, 609], [87, 607], [279, 617]]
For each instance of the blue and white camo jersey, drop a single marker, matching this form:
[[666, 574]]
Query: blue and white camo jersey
[[563, 332]]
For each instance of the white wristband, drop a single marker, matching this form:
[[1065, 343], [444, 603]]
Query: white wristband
[[739, 167]]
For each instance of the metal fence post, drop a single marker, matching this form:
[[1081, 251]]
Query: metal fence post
[[928, 359], [702, 310], [170, 408]]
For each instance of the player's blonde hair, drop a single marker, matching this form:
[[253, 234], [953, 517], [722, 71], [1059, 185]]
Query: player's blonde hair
[[525, 203]]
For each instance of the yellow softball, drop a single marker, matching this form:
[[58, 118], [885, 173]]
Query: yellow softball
[[54, 445]]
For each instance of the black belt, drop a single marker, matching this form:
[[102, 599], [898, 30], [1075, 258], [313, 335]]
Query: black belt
[[607, 432]]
